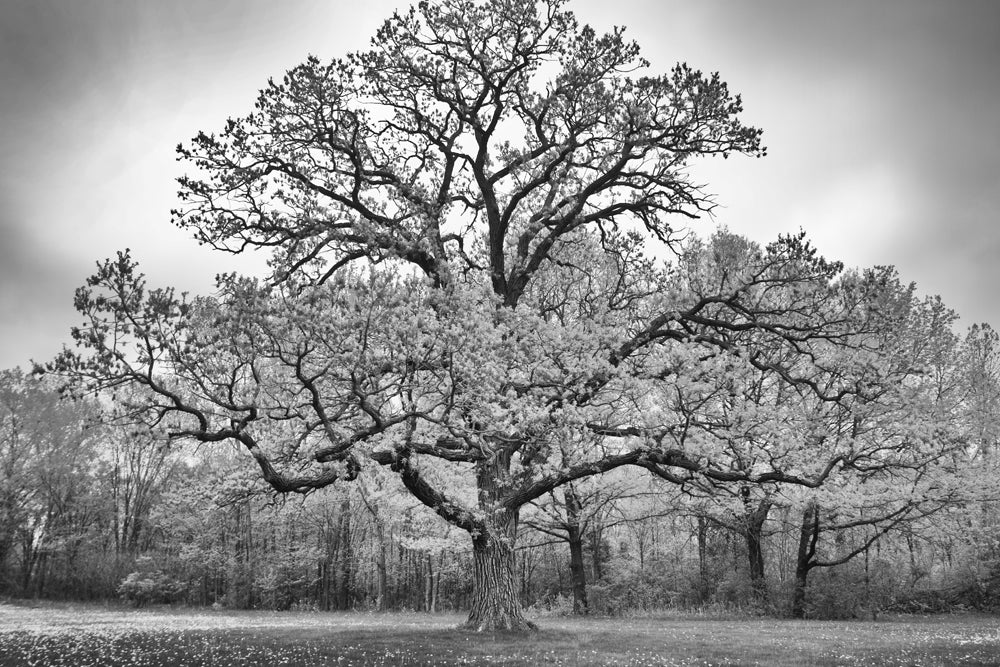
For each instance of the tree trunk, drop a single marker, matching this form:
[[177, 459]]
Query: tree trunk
[[29, 559], [869, 596], [6, 547], [808, 535], [578, 573], [703, 578], [437, 585], [381, 581], [753, 530], [755, 555], [382, 588], [495, 604], [596, 540], [345, 558], [429, 584]]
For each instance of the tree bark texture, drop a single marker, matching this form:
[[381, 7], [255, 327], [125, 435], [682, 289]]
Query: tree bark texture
[[495, 603]]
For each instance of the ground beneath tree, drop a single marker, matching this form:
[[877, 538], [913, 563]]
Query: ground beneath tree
[[82, 635]]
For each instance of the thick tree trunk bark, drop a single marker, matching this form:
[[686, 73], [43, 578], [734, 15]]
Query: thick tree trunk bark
[[495, 604]]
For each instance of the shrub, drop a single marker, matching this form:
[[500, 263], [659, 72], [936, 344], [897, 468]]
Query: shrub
[[845, 591], [142, 588], [552, 605], [627, 589]]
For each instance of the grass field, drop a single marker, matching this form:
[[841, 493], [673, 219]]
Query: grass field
[[82, 635]]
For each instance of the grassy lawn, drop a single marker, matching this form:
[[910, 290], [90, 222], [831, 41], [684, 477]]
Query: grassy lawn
[[80, 635]]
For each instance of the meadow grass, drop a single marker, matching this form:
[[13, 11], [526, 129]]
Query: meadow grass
[[85, 635]]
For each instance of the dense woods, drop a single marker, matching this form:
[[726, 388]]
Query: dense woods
[[489, 372]]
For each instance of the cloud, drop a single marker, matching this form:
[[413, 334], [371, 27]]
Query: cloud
[[879, 117], [33, 293]]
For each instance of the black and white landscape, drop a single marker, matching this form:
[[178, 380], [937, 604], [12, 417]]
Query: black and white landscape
[[508, 335]]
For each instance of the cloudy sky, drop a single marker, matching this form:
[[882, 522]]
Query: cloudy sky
[[882, 119]]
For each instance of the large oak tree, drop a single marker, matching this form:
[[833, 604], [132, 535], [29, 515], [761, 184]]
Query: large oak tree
[[460, 220]]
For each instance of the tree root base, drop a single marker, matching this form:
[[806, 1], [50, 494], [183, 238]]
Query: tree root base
[[506, 624]]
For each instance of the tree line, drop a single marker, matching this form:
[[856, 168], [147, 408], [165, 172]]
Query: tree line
[[97, 507]]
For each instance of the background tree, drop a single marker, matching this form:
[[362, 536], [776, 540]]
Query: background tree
[[139, 466], [904, 443], [577, 511], [47, 507]]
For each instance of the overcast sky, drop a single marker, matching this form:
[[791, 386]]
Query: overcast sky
[[882, 120]]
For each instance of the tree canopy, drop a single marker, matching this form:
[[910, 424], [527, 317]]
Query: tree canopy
[[472, 138], [467, 225]]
